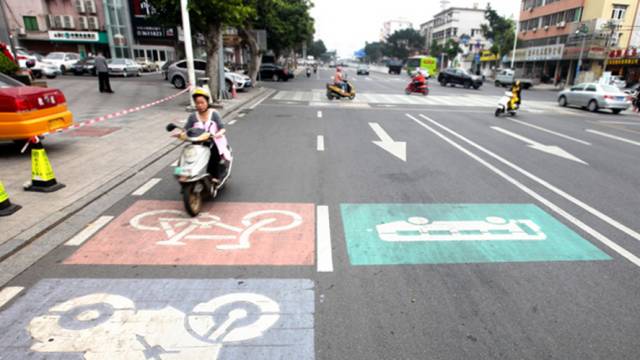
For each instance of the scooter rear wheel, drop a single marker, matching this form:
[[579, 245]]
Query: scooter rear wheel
[[192, 200]]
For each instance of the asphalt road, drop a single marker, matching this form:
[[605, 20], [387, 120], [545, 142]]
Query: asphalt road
[[488, 238]]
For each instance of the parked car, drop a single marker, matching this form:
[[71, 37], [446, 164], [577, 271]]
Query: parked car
[[177, 75], [27, 111], [363, 70], [456, 76], [242, 81], [506, 77], [165, 69], [63, 60], [123, 67], [147, 65], [85, 66], [595, 96], [274, 72], [39, 67]]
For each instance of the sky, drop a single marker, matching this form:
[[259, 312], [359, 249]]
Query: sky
[[345, 25]]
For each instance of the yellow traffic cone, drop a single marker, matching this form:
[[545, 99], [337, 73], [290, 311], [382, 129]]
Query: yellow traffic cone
[[6, 207], [42, 177]]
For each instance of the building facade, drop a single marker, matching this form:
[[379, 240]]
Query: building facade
[[555, 35], [58, 25], [463, 25], [391, 26]]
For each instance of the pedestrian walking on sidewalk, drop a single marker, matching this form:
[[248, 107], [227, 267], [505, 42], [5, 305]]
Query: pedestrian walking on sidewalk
[[102, 69]]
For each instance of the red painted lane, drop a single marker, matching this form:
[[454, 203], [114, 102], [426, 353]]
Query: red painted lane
[[155, 232]]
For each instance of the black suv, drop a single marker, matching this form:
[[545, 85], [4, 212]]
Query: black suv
[[459, 77], [84, 66], [274, 72]]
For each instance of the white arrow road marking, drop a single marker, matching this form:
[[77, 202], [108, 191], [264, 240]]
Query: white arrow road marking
[[549, 149], [613, 137], [550, 131], [396, 148]]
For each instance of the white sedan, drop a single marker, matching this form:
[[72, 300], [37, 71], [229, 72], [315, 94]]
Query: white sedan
[[123, 67]]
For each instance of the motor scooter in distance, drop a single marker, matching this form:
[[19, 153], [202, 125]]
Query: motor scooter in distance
[[504, 105]]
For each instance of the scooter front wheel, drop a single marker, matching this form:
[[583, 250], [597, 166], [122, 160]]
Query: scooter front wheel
[[498, 111], [192, 199]]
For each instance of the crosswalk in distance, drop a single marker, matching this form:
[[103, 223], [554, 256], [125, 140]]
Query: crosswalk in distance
[[466, 101]]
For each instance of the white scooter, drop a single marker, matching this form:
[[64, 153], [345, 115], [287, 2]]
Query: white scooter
[[504, 105], [192, 169]]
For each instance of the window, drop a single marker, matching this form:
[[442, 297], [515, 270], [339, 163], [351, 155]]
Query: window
[[578, 87], [182, 64], [618, 11], [163, 56], [30, 23], [200, 65], [591, 88]]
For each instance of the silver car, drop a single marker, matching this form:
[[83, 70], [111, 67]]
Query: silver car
[[177, 75], [594, 96], [123, 67]]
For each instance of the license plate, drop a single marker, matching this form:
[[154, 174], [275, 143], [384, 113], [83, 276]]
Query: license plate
[[620, 98], [177, 171], [56, 123]]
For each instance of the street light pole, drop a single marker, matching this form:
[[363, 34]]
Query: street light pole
[[188, 47], [515, 44], [584, 37]]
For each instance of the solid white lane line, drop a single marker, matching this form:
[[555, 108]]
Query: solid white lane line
[[320, 143], [146, 187], [597, 235], [620, 122], [319, 113], [242, 115], [323, 236], [9, 293], [620, 250], [260, 101], [550, 131], [613, 137], [232, 122], [87, 232]]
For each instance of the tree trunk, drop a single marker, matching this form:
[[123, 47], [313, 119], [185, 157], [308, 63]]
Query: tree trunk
[[249, 37], [213, 60]]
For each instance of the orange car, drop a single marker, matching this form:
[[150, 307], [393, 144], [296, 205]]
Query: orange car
[[27, 111]]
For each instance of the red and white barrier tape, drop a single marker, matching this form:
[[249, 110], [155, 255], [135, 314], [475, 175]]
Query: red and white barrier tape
[[116, 114]]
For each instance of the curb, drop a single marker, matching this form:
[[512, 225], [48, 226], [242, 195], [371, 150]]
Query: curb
[[27, 237]]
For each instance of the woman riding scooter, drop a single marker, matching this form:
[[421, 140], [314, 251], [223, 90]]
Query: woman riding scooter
[[516, 94], [209, 120]]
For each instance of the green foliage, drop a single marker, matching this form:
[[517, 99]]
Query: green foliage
[[374, 51], [7, 66], [403, 43], [205, 13], [316, 49], [435, 49], [500, 30], [451, 49]]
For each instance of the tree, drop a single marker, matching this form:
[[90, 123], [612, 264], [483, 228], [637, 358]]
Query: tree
[[208, 18], [403, 43], [374, 51], [316, 49], [500, 30], [451, 49], [287, 23], [435, 49]]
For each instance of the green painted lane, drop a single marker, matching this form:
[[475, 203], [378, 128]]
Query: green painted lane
[[391, 234]]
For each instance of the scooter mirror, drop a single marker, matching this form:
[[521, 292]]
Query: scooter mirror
[[171, 127]]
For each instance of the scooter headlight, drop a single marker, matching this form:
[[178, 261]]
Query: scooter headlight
[[190, 155]]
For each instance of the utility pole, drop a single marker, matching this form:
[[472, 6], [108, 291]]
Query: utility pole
[[8, 30], [612, 26], [515, 45], [188, 47], [582, 31]]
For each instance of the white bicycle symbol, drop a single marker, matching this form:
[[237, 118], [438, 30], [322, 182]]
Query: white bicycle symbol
[[179, 228]]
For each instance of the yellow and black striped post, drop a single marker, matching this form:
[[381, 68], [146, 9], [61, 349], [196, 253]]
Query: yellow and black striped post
[[6, 207], [42, 177]]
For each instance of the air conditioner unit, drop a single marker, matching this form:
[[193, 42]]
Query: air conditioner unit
[[561, 24], [84, 23], [534, 30], [93, 23], [51, 21], [530, 9], [91, 6], [22, 31], [59, 22], [80, 6], [546, 28], [68, 22]]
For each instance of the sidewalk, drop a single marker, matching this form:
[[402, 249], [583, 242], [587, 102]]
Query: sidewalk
[[87, 159]]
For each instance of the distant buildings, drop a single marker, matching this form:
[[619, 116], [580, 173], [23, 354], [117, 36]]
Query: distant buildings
[[391, 26]]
